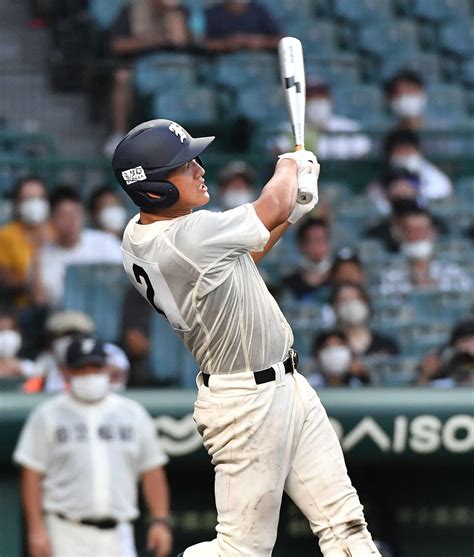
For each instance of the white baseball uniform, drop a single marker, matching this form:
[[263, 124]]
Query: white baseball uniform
[[91, 457], [265, 438]]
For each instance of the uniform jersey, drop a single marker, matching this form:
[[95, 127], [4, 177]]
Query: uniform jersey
[[198, 271], [91, 455]]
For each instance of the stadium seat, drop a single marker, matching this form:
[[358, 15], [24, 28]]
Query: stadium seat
[[363, 102], [236, 70], [97, 290], [170, 360], [104, 12], [319, 38], [164, 71], [446, 103], [458, 37], [291, 14], [464, 188], [262, 103], [382, 38], [392, 371], [363, 10], [196, 106], [425, 63], [440, 10], [468, 73], [420, 336], [337, 69]]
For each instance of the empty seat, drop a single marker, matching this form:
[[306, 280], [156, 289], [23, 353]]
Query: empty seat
[[105, 12], [164, 71], [392, 371], [195, 105], [446, 102], [468, 73], [319, 37], [97, 290], [427, 64], [363, 10], [362, 102], [262, 104], [337, 69], [381, 38], [243, 69], [458, 37], [440, 10]]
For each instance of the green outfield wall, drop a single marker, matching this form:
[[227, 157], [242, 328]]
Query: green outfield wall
[[410, 453]]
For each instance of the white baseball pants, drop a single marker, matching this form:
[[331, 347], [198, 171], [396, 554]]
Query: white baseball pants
[[266, 439], [71, 539]]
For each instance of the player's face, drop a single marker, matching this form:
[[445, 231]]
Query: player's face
[[189, 179]]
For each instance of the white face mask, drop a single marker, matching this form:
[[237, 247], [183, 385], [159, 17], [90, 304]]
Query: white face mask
[[90, 388], [235, 198], [335, 360], [34, 210], [318, 111], [320, 267], [412, 163], [59, 348], [353, 312], [10, 343], [113, 217], [409, 105], [421, 250]]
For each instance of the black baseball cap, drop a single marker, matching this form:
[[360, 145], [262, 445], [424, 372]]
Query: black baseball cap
[[85, 350]]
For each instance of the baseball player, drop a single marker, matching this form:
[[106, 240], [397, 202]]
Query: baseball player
[[260, 421], [82, 455]]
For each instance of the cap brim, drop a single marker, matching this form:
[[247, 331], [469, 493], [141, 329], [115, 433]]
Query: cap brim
[[88, 360]]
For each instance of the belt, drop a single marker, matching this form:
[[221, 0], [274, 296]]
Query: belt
[[102, 524], [267, 375]]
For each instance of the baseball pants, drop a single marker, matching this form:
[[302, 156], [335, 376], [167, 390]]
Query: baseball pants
[[269, 438], [71, 539]]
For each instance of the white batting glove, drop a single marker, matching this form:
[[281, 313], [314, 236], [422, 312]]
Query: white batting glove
[[307, 176]]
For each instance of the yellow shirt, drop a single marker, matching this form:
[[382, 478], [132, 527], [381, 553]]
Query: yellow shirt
[[16, 249]]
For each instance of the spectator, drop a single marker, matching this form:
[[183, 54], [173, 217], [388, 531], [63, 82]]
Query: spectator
[[72, 245], [311, 277], [11, 365], [420, 266], [236, 185], [60, 328], [233, 25], [352, 309], [107, 210], [143, 26], [406, 96], [82, 454], [21, 238], [346, 268], [334, 361], [453, 365], [402, 150], [340, 141]]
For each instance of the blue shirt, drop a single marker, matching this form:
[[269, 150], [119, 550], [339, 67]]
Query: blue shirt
[[254, 20]]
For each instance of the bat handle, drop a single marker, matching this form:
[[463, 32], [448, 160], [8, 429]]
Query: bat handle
[[299, 147], [303, 197]]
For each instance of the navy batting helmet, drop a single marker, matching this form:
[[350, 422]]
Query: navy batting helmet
[[147, 154]]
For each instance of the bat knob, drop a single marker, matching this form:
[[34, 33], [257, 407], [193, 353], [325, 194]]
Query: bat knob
[[304, 198]]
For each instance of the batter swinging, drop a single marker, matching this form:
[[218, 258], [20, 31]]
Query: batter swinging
[[260, 421]]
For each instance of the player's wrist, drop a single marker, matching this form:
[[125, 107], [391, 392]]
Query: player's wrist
[[165, 521]]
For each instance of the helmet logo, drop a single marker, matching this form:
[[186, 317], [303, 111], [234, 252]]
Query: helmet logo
[[178, 131], [133, 175]]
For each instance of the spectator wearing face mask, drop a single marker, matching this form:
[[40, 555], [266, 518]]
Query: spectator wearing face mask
[[329, 135], [107, 211], [406, 96], [236, 185], [72, 245], [334, 359], [352, 309], [82, 455], [420, 265], [21, 238], [311, 277], [452, 365], [11, 364], [60, 328]]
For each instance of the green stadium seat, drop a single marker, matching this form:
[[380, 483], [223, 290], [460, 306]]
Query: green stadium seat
[[363, 102], [262, 103], [468, 73], [420, 336], [382, 38], [291, 14], [440, 10], [427, 64], [104, 12], [97, 290], [458, 37], [464, 188], [392, 371], [236, 70], [337, 69], [193, 106], [169, 358], [446, 103], [164, 71], [320, 38]]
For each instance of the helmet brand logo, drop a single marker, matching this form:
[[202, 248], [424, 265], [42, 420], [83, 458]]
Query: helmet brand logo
[[178, 131], [133, 175]]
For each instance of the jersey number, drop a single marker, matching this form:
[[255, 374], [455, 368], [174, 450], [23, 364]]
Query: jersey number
[[139, 272]]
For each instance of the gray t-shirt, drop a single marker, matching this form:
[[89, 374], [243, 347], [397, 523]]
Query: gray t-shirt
[[198, 271]]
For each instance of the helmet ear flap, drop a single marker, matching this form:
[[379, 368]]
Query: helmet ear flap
[[168, 192]]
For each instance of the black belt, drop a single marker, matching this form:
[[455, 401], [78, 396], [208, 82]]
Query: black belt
[[267, 375], [102, 524]]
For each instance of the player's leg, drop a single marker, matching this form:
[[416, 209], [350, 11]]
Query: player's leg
[[319, 485], [246, 432]]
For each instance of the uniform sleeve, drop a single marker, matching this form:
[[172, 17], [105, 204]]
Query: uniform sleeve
[[229, 234], [151, 454], [32, 448]]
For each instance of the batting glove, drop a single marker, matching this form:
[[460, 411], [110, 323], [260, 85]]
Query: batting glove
[[307, 176]]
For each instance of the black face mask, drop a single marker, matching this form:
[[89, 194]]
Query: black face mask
[[403, 205]]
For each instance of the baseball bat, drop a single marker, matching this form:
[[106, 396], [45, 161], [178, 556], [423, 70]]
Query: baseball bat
[[290, 55]]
